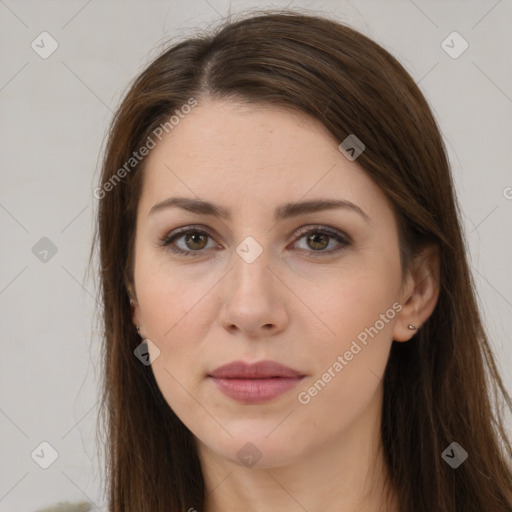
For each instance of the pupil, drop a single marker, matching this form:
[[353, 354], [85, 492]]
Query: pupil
[[312, 238], [193, 237]]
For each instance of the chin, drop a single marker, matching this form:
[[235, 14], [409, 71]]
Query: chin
[[255, 448]]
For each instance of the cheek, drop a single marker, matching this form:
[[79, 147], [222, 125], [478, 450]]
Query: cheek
[[177, 309], [351, 301], [173, 315], [352, 353], [169, 295]]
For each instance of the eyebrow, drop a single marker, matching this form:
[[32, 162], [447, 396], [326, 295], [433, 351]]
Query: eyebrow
[[282, 212]]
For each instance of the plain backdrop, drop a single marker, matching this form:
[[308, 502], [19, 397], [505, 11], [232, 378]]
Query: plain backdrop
[[54, 115]]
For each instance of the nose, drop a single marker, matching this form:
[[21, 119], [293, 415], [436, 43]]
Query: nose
[[253, 299]]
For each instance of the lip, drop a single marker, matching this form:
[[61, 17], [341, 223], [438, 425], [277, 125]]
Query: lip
[[255, 383]]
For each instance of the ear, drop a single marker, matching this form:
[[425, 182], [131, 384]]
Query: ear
[[134, 305], [419, 293]]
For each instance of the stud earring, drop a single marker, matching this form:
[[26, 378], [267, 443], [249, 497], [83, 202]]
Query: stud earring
[[412, 327]]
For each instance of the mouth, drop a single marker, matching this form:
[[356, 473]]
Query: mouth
[[255, 383]]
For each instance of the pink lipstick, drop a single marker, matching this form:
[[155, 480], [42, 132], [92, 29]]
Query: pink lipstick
[[255, 383]]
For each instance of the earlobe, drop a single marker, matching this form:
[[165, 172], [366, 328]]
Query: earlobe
[[420, 296]]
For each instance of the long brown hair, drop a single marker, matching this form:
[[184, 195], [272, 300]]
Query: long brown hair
[[440, 387]]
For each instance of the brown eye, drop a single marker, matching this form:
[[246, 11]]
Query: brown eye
[[187, 242], [318, 241], [196, 241]]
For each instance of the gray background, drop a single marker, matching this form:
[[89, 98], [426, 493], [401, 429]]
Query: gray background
[[54, 114]]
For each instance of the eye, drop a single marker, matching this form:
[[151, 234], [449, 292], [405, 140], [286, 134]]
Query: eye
[[317, 238], [191, 241]]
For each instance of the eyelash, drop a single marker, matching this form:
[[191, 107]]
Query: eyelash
[[343, 239]]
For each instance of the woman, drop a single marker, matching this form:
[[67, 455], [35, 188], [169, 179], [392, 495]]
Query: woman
[[289, 318]]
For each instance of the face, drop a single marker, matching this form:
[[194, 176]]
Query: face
[[315, 290]]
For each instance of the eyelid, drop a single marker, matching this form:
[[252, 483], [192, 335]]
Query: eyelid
[[342, 238], [169, 238], [322, 229]]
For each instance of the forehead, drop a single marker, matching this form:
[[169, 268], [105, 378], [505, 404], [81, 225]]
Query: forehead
[[244, 154]]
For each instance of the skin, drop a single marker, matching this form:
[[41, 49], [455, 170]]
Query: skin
[[288, 306]]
